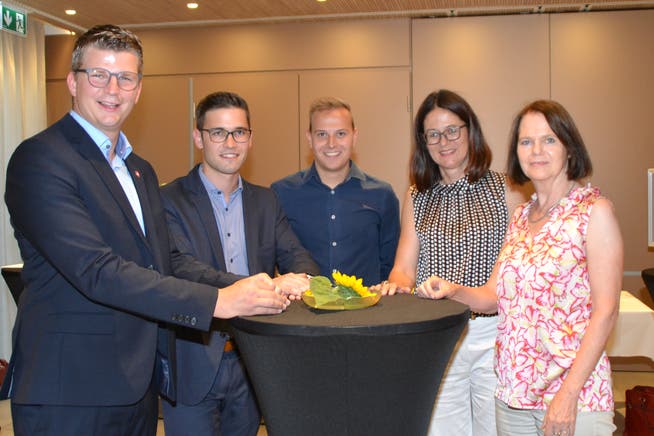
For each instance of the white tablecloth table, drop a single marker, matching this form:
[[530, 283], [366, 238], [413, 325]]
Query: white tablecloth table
[[633, 334]]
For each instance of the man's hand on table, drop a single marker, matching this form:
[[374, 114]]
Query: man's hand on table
[[254, 295], [292, 285]]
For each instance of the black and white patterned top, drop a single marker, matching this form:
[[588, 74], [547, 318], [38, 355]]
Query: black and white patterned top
[[461, 228]]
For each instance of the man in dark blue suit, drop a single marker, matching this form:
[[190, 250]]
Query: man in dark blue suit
[[222, 220], [90, 347]]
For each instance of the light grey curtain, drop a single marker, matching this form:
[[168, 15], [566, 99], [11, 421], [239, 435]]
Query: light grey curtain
[[22, 113]]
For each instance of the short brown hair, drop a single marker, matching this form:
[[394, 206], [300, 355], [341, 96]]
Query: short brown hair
[[563, 126], [220, 100], [107, 37]]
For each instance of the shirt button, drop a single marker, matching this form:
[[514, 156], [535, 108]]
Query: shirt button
[[333, 217], [334, 244], [332, 192]]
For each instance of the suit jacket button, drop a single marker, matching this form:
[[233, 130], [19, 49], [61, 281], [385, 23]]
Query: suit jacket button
[[194, 320], [187, 319]]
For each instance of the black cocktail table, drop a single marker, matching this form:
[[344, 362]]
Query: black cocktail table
[[648, 278], [11, 274], [373, 371]]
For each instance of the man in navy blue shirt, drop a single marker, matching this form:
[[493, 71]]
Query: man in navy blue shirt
[[348, 220]]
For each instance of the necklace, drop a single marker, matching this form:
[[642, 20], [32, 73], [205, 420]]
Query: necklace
[[551, 208]]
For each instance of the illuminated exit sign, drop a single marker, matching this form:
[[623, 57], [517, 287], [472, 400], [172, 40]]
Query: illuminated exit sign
[[14, 21]]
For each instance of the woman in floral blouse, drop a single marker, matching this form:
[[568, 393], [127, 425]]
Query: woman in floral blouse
[[556, 286]]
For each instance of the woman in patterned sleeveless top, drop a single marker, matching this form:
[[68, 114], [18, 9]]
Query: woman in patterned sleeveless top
[[556, 286], [454, 220]]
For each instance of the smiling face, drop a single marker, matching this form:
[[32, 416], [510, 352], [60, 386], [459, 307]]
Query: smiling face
[[105, 108], [332, 139], [450, 156], [542, 155], [227, 157]]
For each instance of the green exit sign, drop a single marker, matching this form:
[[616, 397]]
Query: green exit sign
[[13, 21]]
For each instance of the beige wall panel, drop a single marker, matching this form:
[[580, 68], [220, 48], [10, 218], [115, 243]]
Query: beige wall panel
[[58, 50], [158, 127], [263, 47], [380, 105], [273, 102], [496, 63], [58, 99], [602, 72]]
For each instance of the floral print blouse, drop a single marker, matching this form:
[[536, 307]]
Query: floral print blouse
[[545, 306]]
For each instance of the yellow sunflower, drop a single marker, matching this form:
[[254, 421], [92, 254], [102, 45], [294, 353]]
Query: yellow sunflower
[[351, 282]]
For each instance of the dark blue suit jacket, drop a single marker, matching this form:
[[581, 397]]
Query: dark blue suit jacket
[[87, 328], [270, 243]]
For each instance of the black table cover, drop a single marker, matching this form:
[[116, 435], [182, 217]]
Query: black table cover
[[11, 275], [648, 278], [373, 371]]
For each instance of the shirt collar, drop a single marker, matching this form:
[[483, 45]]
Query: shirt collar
[[123, 147], [312, 173], [210, 186]]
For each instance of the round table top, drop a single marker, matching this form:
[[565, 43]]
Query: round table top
[[397, 314]]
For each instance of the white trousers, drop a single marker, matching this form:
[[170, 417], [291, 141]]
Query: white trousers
[[465, 404]]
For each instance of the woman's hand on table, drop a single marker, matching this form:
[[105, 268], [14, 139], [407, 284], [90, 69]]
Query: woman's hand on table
[[292, 285], [390, 288], [436, 288]]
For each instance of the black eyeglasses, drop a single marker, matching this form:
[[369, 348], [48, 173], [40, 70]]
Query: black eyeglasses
[[452, 133], [219, 135], [100, 77]]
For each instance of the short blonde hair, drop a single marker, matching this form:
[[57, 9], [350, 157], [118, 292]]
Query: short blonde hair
[[323, 104]]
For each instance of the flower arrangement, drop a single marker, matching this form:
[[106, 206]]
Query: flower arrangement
[[347, 293]]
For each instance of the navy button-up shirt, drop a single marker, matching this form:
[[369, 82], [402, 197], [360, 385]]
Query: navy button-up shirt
[[353, 228]]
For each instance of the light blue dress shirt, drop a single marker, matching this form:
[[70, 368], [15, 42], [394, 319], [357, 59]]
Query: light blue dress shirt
[[123, 149], [230, 222]]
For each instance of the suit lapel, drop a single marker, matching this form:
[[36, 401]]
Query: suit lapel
[[250, 214], [138, 178], [90, 151], [200, 199]]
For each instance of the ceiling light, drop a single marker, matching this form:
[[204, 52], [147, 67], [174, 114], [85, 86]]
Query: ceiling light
[[321, 1], [71, 11], [192, 5]]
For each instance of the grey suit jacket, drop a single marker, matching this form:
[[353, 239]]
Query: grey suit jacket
[[270, 244]]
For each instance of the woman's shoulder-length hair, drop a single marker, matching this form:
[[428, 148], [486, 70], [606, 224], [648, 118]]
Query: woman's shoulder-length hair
[[423, 170]]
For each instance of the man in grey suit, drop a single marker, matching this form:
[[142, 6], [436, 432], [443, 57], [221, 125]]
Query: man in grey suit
[[222, 220], [91, 347]]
